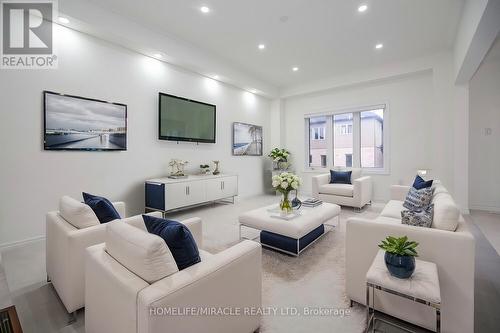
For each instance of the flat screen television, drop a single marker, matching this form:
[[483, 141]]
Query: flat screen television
[[182, 119], [78, 123]]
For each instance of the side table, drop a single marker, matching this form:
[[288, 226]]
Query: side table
[[422, 287]]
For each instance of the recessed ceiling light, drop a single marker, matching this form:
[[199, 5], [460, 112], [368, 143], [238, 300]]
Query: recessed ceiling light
[[158, 55], [295, 69], [63, 20], [261, 46], [216, 77], [205, 9], [253, 91], [379, 46], [362, 8]]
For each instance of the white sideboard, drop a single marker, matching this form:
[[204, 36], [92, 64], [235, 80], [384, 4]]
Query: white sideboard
[[166, 194]]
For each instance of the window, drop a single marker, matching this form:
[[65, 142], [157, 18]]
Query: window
[[372, 139], [318, 133], [348, 160], [323, 160], [317, 143], [349, 139], [342, 140]]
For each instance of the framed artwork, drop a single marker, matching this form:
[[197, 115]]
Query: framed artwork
[[247, 139], [78, 123]]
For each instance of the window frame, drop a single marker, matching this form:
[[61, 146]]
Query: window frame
[[356, 133]]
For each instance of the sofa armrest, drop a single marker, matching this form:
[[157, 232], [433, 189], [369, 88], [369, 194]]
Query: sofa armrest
[[362, 188], [66, 257], [110, 290], [452, 252], [399, 192], [317, 181], [230, 279], [120, 208], [195, 225]]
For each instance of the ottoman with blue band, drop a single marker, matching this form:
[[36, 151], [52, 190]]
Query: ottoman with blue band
[[294, 235]]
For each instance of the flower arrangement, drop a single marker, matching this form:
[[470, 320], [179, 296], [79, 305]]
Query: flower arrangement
[[279, 155], [284, 183], [280, 158]]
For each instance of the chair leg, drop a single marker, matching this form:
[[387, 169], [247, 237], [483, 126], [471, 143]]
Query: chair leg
[[72, 318]]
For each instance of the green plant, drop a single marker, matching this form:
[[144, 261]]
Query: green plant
[[279, 155], [204, 166], [400, 246]]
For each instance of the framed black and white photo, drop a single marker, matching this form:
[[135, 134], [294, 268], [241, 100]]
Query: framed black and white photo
[[78, 123], [247, 139]]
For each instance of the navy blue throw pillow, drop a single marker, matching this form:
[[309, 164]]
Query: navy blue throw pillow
[[102, 207], [340, 177], [420, 183], [179, 240]]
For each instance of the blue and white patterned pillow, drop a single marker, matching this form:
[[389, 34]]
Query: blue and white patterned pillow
[[419, 218], [418, 199]]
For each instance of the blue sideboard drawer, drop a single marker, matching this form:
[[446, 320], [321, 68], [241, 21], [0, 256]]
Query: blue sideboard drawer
[[155, 195]]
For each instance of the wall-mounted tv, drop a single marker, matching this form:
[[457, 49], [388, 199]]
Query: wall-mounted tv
[[78, 123], [182, 119]]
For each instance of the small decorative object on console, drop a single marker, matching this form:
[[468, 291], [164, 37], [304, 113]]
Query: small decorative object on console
[[284, 183], [205, 169], [177, 167], [216, 171], [400, 256]]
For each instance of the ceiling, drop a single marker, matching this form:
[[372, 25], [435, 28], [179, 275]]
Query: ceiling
[[324, 38]]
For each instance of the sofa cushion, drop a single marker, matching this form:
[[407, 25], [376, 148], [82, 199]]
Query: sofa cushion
[[393, 209], [389, 220], [142, 253], [102, 207], [418, 218], [418, 199], [446, 212], [356, 173], [178, 238], [344, 190], [420, 183], [76, 213], [340, 177], [438, 188]]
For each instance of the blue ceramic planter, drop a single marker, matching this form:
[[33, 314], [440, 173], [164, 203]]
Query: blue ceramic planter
[[401, 267]]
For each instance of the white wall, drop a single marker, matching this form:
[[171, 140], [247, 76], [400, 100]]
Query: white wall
[[484, 176], [33, 180], [425, 113]]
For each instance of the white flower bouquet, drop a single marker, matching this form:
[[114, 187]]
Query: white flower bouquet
[[284, 183]]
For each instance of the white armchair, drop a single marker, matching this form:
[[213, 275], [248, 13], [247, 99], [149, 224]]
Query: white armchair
[[122, 278], [69, 232], [357, 195]]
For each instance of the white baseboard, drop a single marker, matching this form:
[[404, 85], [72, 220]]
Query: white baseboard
[[23, 242], [493, 209]]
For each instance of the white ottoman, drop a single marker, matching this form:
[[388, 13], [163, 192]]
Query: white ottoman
[[294, 235]]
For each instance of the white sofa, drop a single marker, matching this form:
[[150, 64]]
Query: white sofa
[[69, 232], [448, 243], [357, 194], [131, 285]]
